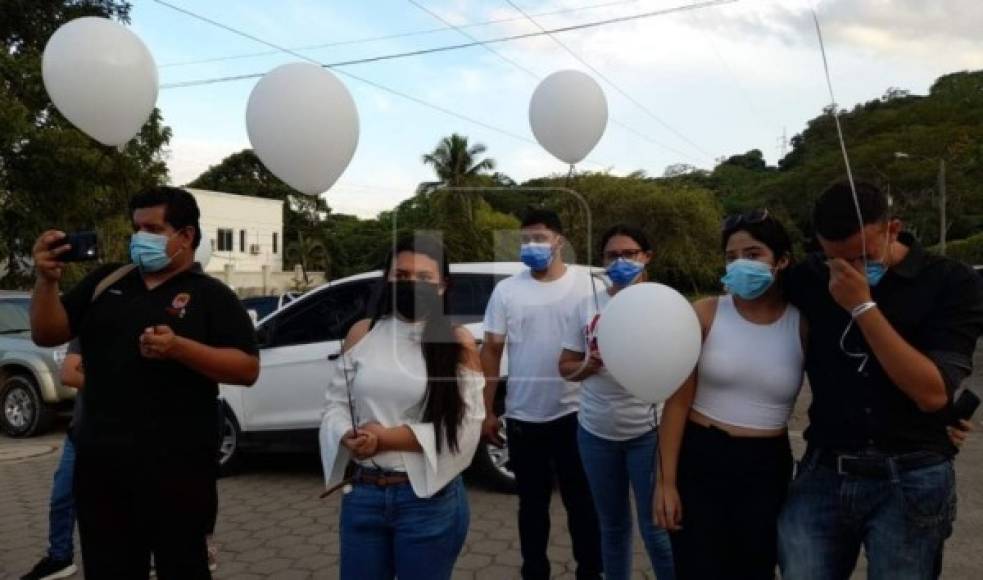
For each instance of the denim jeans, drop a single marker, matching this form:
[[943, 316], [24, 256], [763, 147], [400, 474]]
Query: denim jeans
[[902, 521], [613, 468], [61, 510], [389, 532]]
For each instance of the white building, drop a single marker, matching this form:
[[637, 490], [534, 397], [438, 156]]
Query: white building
[[245, 232]]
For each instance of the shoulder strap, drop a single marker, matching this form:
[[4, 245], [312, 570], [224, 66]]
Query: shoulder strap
[[111, 279]]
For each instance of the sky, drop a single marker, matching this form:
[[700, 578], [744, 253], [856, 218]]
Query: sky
[[689, 87]]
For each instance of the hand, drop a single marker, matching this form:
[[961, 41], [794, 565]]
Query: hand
[[158, 342], [848, 287], [45, 259], [374, 428], [363, 446], [593, 366], [668, 507], [489, 430], [959, 434]]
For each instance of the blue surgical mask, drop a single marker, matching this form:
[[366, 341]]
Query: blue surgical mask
[[624, 271], [748, 279], [538, 256], [149, 251], [875, 273]]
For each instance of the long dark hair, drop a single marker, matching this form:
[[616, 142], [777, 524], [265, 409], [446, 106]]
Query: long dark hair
[[443, 404]]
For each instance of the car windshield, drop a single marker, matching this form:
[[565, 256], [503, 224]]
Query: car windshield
[[263, 305], [14, 315]]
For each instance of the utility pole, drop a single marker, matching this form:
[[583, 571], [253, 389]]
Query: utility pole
[[942, 204]]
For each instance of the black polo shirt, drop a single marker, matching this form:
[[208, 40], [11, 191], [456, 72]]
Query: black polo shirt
[[136, 404], [935, 303]]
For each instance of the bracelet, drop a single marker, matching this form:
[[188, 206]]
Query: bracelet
[[861, 309]]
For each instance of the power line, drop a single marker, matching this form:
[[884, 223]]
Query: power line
[[349, 75], [531, 73], [614, 85], [586, 25], [394, 36], [467, 35]]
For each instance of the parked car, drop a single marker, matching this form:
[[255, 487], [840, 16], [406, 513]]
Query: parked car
[[259, 307], [31, 393], [283, 409]]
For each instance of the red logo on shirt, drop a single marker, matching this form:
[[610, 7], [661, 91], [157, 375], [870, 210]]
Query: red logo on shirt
[[179, 305]]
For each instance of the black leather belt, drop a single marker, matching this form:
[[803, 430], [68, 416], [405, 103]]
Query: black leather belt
[[379, 478], [877, 465]]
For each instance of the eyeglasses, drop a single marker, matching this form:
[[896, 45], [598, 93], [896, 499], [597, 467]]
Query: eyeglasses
[[626, 254], [755, 216]]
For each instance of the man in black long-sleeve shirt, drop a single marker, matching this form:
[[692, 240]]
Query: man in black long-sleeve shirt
[[892, 334]]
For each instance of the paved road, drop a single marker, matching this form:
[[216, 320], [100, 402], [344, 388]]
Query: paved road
[[272, 524]]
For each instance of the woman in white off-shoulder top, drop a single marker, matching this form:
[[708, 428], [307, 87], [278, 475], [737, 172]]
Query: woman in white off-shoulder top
[[411, 382]]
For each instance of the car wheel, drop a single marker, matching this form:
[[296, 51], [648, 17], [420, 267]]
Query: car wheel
[[492, 463], [229, 448], [24, 413]]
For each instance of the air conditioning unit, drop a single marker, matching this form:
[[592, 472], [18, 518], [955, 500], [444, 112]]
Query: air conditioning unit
[[254, 249]]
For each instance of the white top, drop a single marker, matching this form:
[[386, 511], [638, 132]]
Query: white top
[[533, 316], [607, 410], [750, 374], [389, 380]]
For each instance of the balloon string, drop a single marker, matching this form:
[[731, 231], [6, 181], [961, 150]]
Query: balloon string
[[834, 111], [569, 176]]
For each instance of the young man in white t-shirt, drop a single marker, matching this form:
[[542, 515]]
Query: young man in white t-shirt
[[528, 312]]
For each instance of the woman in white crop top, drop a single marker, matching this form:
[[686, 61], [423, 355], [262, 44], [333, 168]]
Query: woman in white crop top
[[726, 456], [405, 405]]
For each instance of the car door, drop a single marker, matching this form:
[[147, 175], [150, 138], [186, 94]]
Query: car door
[[294, 351]]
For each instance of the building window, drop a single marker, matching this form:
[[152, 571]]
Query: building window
[[276, 239], [224, 238], [242, 241]]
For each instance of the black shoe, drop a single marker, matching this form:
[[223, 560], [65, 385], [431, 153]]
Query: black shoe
[[49, 569]]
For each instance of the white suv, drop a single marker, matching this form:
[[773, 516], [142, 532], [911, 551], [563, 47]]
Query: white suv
[[296, 342]]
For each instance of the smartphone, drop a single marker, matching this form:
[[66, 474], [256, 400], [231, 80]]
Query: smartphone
[[85, 247], [965, 406]]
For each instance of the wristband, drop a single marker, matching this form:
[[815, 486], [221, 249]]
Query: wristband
[[861, 309]]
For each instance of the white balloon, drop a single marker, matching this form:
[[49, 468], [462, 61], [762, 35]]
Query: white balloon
[[203, 254], [101, 77], [568, 114], [303, 125], [650, 340]]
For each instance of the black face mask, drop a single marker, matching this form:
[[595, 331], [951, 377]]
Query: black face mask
[[415, 300]]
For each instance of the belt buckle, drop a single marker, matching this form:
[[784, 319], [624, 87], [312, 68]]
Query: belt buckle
[[839, 463]]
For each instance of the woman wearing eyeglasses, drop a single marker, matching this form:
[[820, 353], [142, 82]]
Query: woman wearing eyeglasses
[[726, 456], [617, 434]]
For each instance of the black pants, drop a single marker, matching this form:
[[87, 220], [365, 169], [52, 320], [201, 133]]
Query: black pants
[[732, 490], [130, 505], [537, 453]]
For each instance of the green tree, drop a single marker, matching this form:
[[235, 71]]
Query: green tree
[[311, 253], [52, 175], [456, 164]]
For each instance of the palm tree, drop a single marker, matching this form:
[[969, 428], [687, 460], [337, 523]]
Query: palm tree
[[456, 163], [310, 252]]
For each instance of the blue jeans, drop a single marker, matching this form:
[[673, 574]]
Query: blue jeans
[[902, 521], [61, 511], [389, 532], [612, 467]]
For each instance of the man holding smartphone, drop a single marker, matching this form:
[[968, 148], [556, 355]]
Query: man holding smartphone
[[157, 337]]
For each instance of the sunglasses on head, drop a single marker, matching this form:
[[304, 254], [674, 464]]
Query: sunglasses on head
[[755, 216]]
